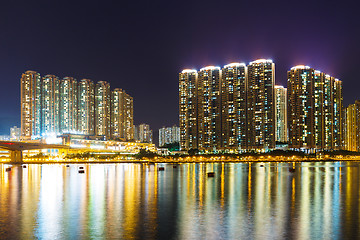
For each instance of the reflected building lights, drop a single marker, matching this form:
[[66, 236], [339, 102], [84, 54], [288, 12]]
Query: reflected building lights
[[122, 201]]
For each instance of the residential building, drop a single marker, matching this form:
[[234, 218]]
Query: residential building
[[168, 135], [68, 105], [122, 126], [314, 110], [4, 138], [50, 101], [50, 107], [229, 109], [188, 109], [234, 106], [136, 133], [352, 127], [15, 133], [30, 105], [86, 107], [102, 109], [143, 133], [209, 108], [129, 117], [281, 133], [261, 105]]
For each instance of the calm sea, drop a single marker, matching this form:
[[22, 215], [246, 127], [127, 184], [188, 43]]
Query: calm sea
[[137, 201]]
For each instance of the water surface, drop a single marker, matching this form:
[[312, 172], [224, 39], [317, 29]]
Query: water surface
[[136, 201]]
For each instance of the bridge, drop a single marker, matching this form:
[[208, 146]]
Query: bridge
[[16, 148]]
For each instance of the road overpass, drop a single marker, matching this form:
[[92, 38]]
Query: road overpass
[[16, 148]]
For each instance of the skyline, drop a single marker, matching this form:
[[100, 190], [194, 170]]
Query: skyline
[[152, 40], [182, 119], [5, 130], [236, 108]]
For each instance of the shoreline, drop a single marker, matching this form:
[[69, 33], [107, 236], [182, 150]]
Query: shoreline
[[177, 161]]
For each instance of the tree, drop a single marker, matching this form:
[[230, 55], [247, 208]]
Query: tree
[[143, 153], [193, 151], [172, 146]]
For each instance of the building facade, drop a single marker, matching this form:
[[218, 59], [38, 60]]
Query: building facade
[[68, 105], [30, 104], [50, 107], [234, 106], [102, 109], [261, 105], [188, 109], [281, 133], [229, 109], [86, 107], [352, 127], [50, 95], [15, 133], [314, 110], [129, 117], [209, 108], [122, 124], [143, 133], [168, 135]]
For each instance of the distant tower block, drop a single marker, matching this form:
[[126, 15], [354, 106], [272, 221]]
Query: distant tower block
[[281, 134]]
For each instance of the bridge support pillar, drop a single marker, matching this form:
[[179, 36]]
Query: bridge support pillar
[[16, 156]]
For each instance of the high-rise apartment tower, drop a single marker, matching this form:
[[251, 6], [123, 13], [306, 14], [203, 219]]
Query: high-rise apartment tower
[[228, 109], [352, 127], [68, 105], [234, 106], [209, 108], [168, 135], [122, 124], [50, 95], [86, 110], [261, 105], [281, 133], [30, 104], [188, 109], [102, 109], [314, 110]]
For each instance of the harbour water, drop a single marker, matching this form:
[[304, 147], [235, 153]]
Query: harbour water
[[137, 201]]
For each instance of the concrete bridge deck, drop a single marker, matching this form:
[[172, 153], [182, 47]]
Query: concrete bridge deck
[[16, 148]]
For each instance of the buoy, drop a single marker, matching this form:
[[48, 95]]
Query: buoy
[[81, 167], [81, 171], [161, 168], [8, 169], [211, 174], [261, 165], [24, 166], [174, 166], [67, 165]]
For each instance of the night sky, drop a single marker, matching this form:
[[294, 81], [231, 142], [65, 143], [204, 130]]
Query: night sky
[[141, 46]]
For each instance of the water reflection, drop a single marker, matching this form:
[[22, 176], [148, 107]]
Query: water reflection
[[242, 201]]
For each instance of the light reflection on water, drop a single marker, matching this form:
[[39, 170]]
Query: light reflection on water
[[124, 201]]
